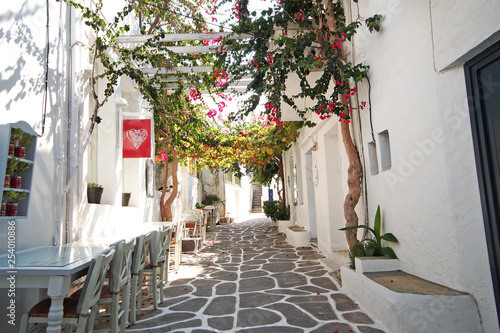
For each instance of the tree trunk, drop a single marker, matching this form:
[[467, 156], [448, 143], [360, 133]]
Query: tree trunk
[[164, 188], [281, 176], [167, 209], [354, 175], [354, 172]]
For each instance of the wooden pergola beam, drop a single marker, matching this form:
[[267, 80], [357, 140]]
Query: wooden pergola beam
[[186, 49], [181, 37], [197, 69]]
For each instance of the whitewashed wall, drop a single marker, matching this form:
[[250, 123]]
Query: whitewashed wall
[[429, 196], [428, 189], [22, 75]]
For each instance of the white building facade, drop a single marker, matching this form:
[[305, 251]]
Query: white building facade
[[419, 153], [47, 40]]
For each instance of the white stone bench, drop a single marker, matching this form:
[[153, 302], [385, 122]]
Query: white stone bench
[[406, 303]]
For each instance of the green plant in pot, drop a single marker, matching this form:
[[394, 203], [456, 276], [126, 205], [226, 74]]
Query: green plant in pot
[[94, 193], [213, 200], [372, 247], [24, 142], [13, 170], [126, 198], [15, 135], [19, 141], [276, 210], [11, 199]]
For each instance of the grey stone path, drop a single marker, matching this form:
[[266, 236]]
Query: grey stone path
[[247, 278]]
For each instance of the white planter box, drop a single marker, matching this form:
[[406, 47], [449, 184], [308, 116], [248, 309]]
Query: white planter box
[[283, 225], [376, 264], [298, 237]]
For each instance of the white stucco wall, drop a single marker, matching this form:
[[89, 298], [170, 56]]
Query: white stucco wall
[[429, 197], [458, 33], [22, 75], [429, 194]]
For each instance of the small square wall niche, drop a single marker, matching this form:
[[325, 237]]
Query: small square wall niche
[[372, 155], [385, 150]]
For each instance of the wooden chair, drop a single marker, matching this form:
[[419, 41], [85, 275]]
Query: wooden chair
[[119, 285], [176, 244], [77, 311], [194, 227], [139, 257], [154, 271]]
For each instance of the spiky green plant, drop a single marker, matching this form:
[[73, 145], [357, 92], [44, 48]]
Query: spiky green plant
[[372, 247]]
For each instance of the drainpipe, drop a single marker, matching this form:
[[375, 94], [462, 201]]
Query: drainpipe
[[57, 238], [70, 193], [68, 225]]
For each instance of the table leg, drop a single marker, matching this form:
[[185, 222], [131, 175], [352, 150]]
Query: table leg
[[58, 289]]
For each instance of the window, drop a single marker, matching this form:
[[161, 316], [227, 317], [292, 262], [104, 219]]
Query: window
[[372, 155], [385, 150]]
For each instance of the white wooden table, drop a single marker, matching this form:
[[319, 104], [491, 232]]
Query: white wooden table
[[52, 268]]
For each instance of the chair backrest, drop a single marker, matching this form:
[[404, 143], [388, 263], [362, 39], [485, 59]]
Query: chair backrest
[[160, 245], [140, 255], [92, 286], [119, 269]]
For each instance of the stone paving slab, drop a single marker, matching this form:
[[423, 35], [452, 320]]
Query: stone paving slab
[[248, 279]]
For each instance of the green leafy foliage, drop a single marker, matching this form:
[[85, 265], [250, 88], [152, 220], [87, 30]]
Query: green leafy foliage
[[373, 23], [13, 196], [370, 247], [94, 185], [15, 166], [210, 200], [290, 41], [276, 210]]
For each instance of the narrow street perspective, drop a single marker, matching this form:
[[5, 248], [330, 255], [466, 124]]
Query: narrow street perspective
[[248, 278], [250, 166]]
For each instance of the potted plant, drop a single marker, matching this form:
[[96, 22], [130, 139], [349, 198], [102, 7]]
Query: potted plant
[[276, 210], [14, 168], [11, 199], [15, 135], [94, 193], [18, 142], [372, 246], [126, 198], [24, 142]]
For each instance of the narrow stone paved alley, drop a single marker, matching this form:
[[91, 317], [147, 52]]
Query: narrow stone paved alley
[[247, 278]]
